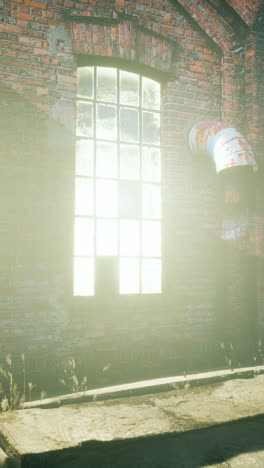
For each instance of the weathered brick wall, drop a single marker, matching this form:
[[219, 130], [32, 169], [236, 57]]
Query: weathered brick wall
[[259, 220], [207, 74]]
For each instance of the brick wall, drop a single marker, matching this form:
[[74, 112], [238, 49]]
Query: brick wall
[[208, 71]]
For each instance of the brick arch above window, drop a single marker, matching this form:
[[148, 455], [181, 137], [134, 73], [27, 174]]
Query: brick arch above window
[[122, 37]]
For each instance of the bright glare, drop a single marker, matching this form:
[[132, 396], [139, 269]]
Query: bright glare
[[117, 183], [83, 276], [84, 237], [151, 275], [84, 196], [84, 158], [151, 201], [150, 93], [129, 88], [129, 276], [129, 238], [151, 164], [151, 239], [129, 162], [106, 237], [106, 198], [106, 159]]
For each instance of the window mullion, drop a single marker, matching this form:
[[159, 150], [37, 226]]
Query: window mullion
[[94, 172], [141, 181], [118, 170], [137, 160]]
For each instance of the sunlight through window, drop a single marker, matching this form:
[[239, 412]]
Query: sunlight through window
[[117, 183]]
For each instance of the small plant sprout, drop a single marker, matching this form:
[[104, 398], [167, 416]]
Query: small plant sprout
[[43, 394], [106, 367], [4, 404], [11, 394], [31, 386], [70, 379], [22, 355]]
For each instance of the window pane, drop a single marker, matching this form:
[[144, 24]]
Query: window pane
[[129, 238], [106, 84], [106, 237], [129, 124], [84, 157], [83, 276], [129, 162], [106, 198], [84, 119], [151, 201], [151, 128], [129, 276], [129, 88], [84, 196], [151, 275], [151, 239], [84, 237], [150, 93], [106, 159], [129, 199], [106, 122], [85, 82], [151, 164]]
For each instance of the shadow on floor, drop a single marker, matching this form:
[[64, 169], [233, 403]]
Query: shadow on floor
[[192, 449]]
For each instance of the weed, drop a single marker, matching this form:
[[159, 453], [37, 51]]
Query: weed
[[13, 395], [10, 396], [228, 351], [70, 379]]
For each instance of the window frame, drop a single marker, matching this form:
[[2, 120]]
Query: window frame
[[139, 298]]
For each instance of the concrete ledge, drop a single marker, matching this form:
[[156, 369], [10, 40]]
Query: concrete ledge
[[146, 386], [196, 426], [3, 459]]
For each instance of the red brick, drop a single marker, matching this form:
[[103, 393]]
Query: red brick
[[10, 28], [23, 8], [23, 16], [43, 91], [39, 51]]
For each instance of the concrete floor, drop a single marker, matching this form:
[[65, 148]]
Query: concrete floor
[[219, 425]]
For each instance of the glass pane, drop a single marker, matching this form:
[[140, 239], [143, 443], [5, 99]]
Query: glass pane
[[129, 124], [106, 122], [129, 88], [84, 237], [106, 84], [84, 157], [151, 164], [151, 276], [106, 237], [84, 196], [150, 93], [151, 239], [129, 199], [85, 82], [106, 198], [83, 276], [151, 128], [151, 201], [129, 162], [106, 159], [84, 126], [129, 276], [129, 238]]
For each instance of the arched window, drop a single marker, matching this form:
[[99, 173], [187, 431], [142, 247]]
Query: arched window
[[117, 184]]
